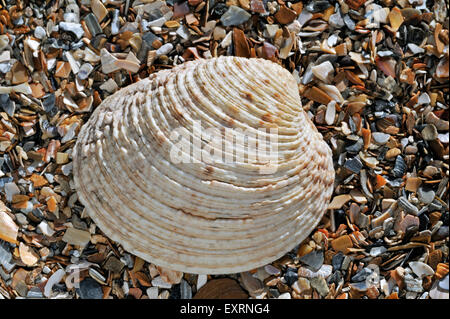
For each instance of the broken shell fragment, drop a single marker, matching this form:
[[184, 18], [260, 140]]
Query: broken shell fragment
[[8, 228], [224, 288], [204, 217]]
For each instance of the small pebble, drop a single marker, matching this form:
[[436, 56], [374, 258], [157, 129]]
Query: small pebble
[[90, 289], [152, 292], [74, 28], [320, 284], [324, 271], [362, 275], [160, 283], [290, 276], [337, 260], [412, 284], [380, 138], [165, 49], [377, 251], [39, 32], [234, 16], [425, 196], [314, 260], [429, 133], [443, 283]]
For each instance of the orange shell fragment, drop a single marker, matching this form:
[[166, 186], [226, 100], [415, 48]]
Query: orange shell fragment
[[380, 181]]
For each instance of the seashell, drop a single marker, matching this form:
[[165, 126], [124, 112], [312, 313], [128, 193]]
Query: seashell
[[206, 217]]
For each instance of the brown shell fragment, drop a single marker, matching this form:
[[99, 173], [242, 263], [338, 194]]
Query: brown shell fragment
[[396, 18], [442, 69], [441, 270], [20, 73], [367, 137], [407, 76], [317, 95], [387, 65], [241, 46], [352, 77], [224, 288], [355, 4], [285, 15], [437, 40]]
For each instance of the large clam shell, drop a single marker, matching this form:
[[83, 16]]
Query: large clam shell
[[212, 218]]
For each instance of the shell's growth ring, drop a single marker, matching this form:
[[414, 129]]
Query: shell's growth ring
[[204, 217]]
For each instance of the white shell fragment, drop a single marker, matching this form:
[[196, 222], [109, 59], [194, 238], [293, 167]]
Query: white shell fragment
[[421, 269], [53, 280], [204, 217]]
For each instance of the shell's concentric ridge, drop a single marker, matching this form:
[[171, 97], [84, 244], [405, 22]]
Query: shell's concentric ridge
[[203, 218]]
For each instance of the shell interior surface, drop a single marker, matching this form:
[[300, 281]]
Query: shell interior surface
[[209, 217]]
